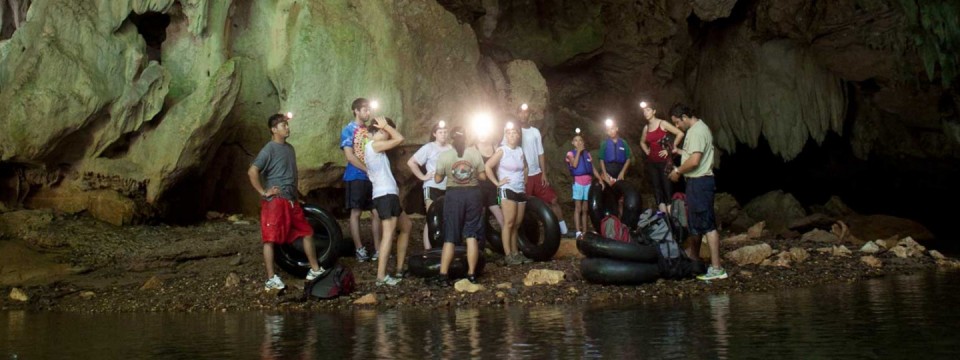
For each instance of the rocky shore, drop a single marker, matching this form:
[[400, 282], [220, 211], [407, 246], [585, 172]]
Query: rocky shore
[[57, 262]]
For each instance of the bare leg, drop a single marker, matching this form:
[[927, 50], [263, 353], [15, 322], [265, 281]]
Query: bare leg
[[584, 221], [311, 252], [514, 239], [402, 241], [555, 206], [355, 227], [268, 258], [375, 224], [497, 213], [473, 254], [713, 240], [389, 225], [446, 257], [426, 236], [577, 210], [509, 223]]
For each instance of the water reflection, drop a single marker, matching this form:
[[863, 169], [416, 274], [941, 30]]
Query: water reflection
[[896, 317]]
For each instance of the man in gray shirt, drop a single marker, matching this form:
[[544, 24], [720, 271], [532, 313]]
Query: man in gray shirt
[[281, 217]]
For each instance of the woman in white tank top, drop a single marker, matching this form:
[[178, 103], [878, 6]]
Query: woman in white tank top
[[511, 174]]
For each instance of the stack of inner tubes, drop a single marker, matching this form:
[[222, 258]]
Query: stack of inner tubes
[[610, 261], [427, 265], [539, 235], [327, 240]]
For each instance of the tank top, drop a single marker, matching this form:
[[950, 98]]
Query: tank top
[[653, 141], [378, 169], [511, 166]]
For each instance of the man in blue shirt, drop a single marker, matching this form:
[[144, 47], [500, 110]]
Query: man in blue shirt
[[359, 190]]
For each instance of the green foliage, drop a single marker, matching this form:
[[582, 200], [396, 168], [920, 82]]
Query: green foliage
[[935, 25]]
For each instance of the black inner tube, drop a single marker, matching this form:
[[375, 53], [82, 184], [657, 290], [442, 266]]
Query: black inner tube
[[327, 239]]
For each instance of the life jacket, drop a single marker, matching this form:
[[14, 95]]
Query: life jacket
[[584, 166], [612, 152]]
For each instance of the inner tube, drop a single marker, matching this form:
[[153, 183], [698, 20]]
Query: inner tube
[[434, 222], [596, 246], [493, 239], [327, 239], [428, 264], [618, 272], [539, 235], [600, 203]]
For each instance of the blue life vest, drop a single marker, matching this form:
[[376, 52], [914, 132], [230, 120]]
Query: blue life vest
[[612, 152], [584, 167]]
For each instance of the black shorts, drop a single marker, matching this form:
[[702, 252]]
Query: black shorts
[[358, 194], [489, 193], [387, 206], [463, 214], [513, 195]]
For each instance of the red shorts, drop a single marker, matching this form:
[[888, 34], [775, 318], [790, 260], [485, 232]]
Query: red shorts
[[282, 221], [535, 188]]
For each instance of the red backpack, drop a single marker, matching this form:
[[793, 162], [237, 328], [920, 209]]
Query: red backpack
[[612, 228], [335, 282]]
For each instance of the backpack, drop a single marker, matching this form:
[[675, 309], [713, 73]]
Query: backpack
[[335, 282], [612, 228], [678, 210], [663, 231]]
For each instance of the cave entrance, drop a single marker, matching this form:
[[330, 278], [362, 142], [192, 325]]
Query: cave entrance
[[153, 27]]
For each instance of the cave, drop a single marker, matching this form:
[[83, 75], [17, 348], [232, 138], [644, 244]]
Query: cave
[[153, 27]]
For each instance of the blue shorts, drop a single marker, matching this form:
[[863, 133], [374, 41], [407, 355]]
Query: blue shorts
[[701, 217], [580, 192]]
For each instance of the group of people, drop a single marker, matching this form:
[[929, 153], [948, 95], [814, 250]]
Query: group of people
[[476, 172]]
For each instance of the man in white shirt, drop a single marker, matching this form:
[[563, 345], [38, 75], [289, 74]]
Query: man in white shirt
[[537, 183]]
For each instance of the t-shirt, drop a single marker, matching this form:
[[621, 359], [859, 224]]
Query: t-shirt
[[278, 166], [511, 167], [584, 179], [427, 155], [347, 139], [460, 171], [699, 139], [378, 169], [532, 144]]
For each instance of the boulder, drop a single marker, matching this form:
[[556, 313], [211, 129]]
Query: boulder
[[543, 276], [871, 261], [756, 231], [368, 299], [748, 255], [709, 10], [810, 222], [885, 226], [17, 294], [870, 248], [799, 255], [464, 285], [777, 208], [820, 237]]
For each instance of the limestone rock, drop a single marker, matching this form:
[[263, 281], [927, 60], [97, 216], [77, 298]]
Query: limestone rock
[[24, 220], [727, 210], [837, 208], [820, 237], [747, 255], [152, 283], [871, 261], [799, 255], [505, 285], [937, 255], [948, 264], [563, 30], [543, 276], [368, 299], [911, 244], [870, 248], [756, 231], [709, 10], [885, 226], [810, 222], [777, 208], [464, 285], [17, 294], [881, 243], [784, 259], [233, 280], [737, 239], [527, 86], [841, 251]]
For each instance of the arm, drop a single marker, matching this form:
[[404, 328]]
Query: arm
[[254, 174], [396, 138], [352, 158], [543, 171], [415, 169], [575, 160], [623, 172], [676, 132], [492, 162], [643, 141], [692, 162]]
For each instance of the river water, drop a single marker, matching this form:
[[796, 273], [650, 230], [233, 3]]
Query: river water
[[895, 317]]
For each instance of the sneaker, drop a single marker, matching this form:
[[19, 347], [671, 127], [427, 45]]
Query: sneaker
[[524, 259], [313, 274], [362, 254], [400, 274], [388, 280], [274, 283], [713, 274], [579, 235], [472, 279], [376, 256], [511, 259]]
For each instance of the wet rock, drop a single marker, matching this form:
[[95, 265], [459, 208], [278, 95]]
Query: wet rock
[[17, 222], [87, 295], [841, 251], [799, 255], [465, 285], [152, 283], [820, 237], [756, 231], [368, 299], [242, 222], [505, 285], [500, 294], [736, 240], [754, 254], [543, 276], [16, 294], [784, 259], [233, 280], [810, 222], [871, 261], [840, 229], [937, 255], [709, 10], [911, 244], [881, 243], [901, 251], [948, 264], [870, 248]]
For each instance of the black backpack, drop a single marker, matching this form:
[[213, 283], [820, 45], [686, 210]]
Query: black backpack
[[335, 282], [664, 232]]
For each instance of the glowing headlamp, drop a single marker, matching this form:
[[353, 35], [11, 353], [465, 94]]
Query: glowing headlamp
[[442, 124], [578, 131], [509, 125], [374, 105], [643, 104], [524, 107], [608, 123], [289, 115], [480, 124]]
